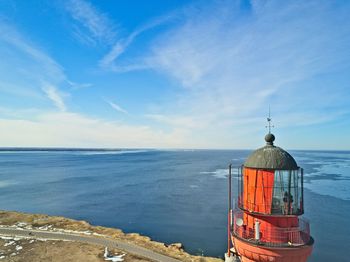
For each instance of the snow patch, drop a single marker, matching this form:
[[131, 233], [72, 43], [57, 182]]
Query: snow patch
[[46, 227], [97, 234], [60, 230], [9, 243], [21, 224], [6, 238], [42, 239], [13, 238]]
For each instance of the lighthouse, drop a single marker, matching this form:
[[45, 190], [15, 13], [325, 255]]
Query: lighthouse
[[267, 223]]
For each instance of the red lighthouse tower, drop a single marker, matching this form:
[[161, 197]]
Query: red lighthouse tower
[[267, 225]]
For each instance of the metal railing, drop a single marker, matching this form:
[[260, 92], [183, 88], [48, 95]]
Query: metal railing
[[271, 235]]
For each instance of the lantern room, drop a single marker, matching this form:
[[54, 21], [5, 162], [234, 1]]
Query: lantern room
[[270, 182]]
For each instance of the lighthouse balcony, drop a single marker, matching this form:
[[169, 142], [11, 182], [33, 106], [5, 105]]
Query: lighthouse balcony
[[270, 235]]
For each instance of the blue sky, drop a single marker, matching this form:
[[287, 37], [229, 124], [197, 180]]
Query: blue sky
[[174, 74]]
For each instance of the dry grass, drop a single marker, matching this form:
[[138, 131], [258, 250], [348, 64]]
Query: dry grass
[[56, 251], [37, 220]]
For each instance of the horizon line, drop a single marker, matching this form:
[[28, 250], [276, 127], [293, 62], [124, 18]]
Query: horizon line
[[49, 148]]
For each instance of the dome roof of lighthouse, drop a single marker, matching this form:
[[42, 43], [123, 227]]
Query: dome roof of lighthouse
[[271, 157]]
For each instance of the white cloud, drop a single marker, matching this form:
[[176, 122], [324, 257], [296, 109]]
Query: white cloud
[[174, 120], [63, 129], [230, 63], [234, 63], [117, 107], [53, 94], [78, 85], [42, 65], [109, 60], [13, 113], [27, 69], [98, 24]]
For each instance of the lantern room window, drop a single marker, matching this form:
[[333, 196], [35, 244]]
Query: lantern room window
[[287, 192], [271, 192]]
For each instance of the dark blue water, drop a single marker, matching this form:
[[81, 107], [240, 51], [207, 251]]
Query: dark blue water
[[170, 196]]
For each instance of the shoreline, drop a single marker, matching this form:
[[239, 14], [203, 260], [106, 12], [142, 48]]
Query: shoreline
[[46, 223]]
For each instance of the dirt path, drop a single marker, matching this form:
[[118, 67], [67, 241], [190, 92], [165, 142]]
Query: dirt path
[[110, 243]]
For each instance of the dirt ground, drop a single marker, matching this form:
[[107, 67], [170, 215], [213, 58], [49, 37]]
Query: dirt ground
[[73, 251], [30, 250]]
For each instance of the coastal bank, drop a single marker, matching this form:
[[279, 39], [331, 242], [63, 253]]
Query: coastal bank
[[38, 237]]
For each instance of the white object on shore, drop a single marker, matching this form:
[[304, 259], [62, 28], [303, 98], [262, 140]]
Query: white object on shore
[[108, 257], [229, 258]]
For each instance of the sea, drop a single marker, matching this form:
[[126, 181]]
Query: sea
[[168, 195]]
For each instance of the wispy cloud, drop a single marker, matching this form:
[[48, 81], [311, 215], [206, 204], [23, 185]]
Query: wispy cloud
[[53, 94], [109, 60], [117, 107], [64, 129], [234, 62], [78, 85], [15, 113], [173, 120], [98, 25], [225, 64], [31, 70], [49, 68]]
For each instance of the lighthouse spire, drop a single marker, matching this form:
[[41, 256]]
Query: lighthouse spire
[[269, 119]]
